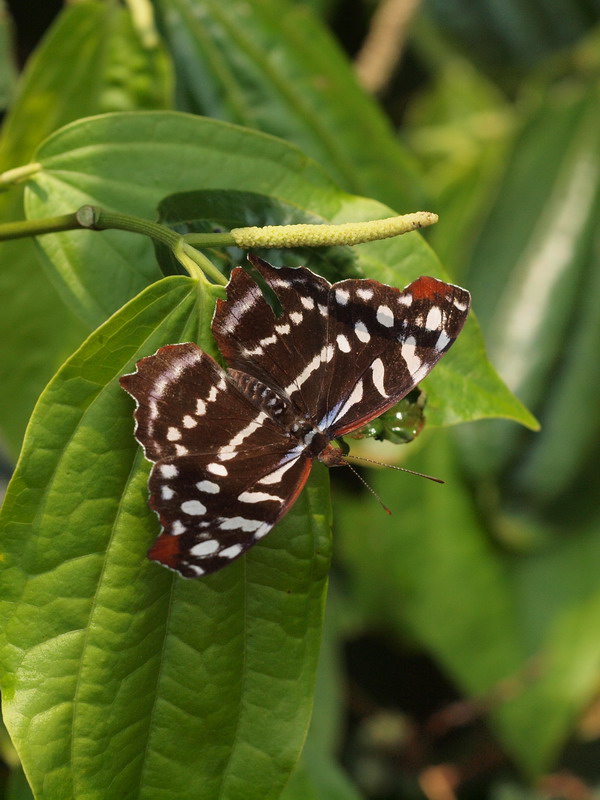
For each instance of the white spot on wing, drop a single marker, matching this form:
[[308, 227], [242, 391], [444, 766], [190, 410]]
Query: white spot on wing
[[385, 316], [405, 300], [443, 341], [177, 528], [305, 374], [181, 450], [173, 434], [257, 497], [239, 309], [159, 387], [205, 548], [189, 422], [193, 507], [166, 492], [378, 375], [365, 294], [168, 470], [208, 486], [460, 306], [360, 329], [195, 568], [282, 330], [413, 363], [307, 302], [241, 523], [200, 407], [296, 317], [355, 397], [342, 296], [262, 531], [217, 469], [276, 476], [434, 319], [258, 351], [343, 343], [243, 434], [268, 340], [231, 552]]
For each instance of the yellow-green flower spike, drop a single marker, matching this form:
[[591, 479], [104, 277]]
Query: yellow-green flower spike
[[348, 233]]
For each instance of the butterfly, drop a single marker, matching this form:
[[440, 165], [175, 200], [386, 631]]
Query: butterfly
[[232, 449]]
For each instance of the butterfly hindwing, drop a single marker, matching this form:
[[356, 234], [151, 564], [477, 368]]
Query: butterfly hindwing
[[212, 513], [225, 471]]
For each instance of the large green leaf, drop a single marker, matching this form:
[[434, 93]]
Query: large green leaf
[[509, 39], [276, 68], [91, 60], [534, 277], [8, 72], [520, 633], [145, 156], [121, 679], [318, 775], [140, 159], [460, 127]]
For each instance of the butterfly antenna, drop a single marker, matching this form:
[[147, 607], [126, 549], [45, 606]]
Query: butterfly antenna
[[370, 488], [393, 466]]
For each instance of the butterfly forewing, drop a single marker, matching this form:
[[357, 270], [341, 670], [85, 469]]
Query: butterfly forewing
[[187, 404], [285, 352], [384, 342]]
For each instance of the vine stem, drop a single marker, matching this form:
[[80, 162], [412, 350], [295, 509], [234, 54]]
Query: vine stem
[[184, 247]]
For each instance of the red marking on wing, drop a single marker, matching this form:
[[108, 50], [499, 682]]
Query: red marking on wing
[[299, 486], [426, 287], [166, 550]]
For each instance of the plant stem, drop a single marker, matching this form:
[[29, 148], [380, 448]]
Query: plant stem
[[207, 267], [210, 239], [34, 227], [100, 220], [18, 175]]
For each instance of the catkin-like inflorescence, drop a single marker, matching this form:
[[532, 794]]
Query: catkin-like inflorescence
[[348, 233]]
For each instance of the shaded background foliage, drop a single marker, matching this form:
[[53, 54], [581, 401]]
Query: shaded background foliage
[[461, 650]]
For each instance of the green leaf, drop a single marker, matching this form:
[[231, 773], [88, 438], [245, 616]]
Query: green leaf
[[151, 683], [276, 68], [533, 274], [38, 332], [319, 778], [518, 38], [91, 60], [17, 787], [318, 775], [558, 616], [517, 633], [8, 71], [144, 156], [460, 127], [451, 592]]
